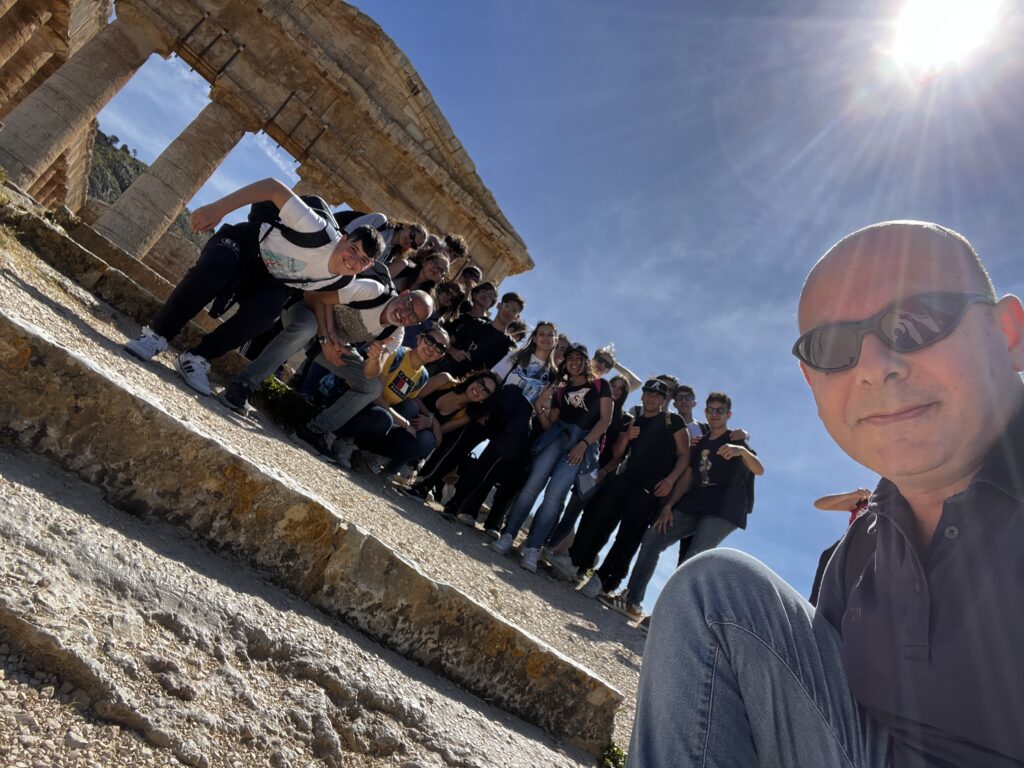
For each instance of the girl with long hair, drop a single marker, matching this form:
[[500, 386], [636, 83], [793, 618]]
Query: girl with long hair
[[574, 417], [526, 372]]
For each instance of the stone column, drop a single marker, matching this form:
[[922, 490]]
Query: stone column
[[23, 66], [43, 125], [144, 212], [19, 24]]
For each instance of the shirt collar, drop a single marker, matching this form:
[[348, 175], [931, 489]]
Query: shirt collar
[[1003, 467]]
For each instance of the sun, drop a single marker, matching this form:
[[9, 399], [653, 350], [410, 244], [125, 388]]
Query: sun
[[931, 34]]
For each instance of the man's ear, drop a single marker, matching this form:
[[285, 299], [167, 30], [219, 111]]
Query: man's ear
[[803, 370], [1009, 316]]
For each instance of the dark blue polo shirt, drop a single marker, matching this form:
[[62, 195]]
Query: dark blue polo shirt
[[933, 641]]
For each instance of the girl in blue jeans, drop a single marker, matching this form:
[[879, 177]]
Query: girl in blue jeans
[[574, 418]]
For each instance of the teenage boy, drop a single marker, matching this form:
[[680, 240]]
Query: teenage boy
[[256, 265], [655, 450], [711, 500], [479, 343], [342, 323], [392, 426]]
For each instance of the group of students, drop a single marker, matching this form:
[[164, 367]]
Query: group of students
[[412, 370]]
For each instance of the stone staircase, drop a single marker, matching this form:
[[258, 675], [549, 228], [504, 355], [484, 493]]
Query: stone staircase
[[70, 396]]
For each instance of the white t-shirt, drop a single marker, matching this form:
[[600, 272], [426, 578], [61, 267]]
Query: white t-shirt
[[531, 378], [360, 325], [304, 268]]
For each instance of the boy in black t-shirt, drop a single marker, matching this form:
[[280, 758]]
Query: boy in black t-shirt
[[658, 450], [478, 342], [714, 497]]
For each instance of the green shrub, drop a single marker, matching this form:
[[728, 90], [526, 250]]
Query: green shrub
[[612, 757]]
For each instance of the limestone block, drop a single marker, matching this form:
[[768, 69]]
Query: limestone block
[[18, 25]]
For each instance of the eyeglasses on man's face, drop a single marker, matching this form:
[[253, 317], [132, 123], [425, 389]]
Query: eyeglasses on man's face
[[716, 410], [906, 325]]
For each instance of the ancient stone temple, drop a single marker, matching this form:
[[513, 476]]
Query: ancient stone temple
[[318, 76]]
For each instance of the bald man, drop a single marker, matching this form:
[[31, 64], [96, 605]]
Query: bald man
[[915, 657]]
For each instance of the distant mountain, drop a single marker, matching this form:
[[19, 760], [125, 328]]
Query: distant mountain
[[114, 169]]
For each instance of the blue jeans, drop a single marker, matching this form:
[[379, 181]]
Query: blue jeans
[[299, 328], [550, 468], [374, 430], [738, 672], [707, 532]]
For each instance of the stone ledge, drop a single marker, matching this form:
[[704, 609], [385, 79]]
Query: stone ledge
[[58, 404], [117, 287]]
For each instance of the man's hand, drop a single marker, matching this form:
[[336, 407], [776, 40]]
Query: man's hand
[[739, 434], [333, 351], [457, 354], [633, 433], [695, 440], [664, 521], [663, 488], [376, 350], [205, 218], [577, 453], [730, 451]]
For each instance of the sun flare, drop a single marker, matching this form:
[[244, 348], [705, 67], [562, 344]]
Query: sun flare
[[931, 34]]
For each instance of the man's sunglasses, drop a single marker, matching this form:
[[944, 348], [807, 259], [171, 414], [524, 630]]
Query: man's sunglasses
[[431, 341], [604, 362], [716, 410], [906, 325]]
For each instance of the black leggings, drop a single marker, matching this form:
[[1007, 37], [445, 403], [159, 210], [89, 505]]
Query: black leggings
[[225, 260]]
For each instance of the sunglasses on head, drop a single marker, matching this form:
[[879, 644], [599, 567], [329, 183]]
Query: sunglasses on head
[[906, 325]]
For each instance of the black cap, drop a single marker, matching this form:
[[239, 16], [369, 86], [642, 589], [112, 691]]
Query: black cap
[[657, 386], [578, 348]]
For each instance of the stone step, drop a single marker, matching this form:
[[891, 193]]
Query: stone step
[[59, 402]]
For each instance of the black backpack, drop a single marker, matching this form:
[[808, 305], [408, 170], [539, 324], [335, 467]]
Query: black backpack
[[344, 218], [266, 212]]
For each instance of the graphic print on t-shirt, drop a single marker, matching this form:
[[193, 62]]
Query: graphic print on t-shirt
[[577, 398], [705, 467], [401, 385]]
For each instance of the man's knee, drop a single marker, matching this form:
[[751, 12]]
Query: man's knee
[[722, 572]]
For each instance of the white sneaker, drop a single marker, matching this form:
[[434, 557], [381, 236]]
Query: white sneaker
[[503, 544], [592, 588], [530, 557], [194, 370], [466, 518], [146, 345], [342, 449], [563, 566]]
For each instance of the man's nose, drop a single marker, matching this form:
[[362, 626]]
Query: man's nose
[[878, 361]]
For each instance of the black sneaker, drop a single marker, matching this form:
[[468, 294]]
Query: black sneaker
[[315, 440], [236, 396], [415, 491]]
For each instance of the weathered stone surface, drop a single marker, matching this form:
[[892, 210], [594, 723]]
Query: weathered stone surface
[[57, 404], [147, 646], [119, 290]]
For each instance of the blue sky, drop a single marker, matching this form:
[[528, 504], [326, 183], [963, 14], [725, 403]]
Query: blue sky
[[675, 168]]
